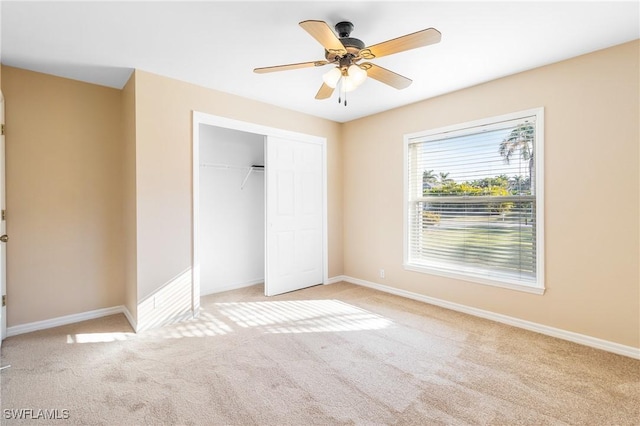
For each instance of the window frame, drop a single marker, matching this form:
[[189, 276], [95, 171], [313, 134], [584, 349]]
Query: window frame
[[467, 128]]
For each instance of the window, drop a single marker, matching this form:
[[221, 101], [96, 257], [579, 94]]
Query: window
[[473, 201]]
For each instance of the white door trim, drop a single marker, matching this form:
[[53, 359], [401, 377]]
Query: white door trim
[[228, 123], [3, 248]]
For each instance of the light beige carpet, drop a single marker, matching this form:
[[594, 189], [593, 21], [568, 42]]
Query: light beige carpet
[[338, 354]]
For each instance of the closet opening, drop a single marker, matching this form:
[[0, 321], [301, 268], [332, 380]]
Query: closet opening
[[232, 210], [259, 208]]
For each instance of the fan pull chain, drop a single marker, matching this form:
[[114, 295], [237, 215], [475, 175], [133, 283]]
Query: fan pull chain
[[342, 91]]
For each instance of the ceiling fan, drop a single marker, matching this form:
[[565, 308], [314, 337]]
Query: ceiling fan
[[346, 52]]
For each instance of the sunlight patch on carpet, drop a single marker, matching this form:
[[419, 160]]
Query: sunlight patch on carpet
[[98, 337], [206, 326], [302, 316]]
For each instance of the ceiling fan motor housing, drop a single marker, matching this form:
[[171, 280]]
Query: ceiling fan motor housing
[[354, 43], [351, 44]]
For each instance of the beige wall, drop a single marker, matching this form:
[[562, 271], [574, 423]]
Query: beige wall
[[591, 193], [63, 156], [129, 224], [99, 191], [163, 171]]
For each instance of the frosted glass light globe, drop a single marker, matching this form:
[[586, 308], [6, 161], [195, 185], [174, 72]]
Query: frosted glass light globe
[[331, 78], [357, 74]]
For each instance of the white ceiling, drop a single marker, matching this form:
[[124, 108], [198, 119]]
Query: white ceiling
[[217, 44]]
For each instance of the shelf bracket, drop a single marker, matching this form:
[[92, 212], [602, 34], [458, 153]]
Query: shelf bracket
[[252, 168]]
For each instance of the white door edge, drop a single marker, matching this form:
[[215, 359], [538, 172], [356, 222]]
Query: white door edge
[[3, 248]]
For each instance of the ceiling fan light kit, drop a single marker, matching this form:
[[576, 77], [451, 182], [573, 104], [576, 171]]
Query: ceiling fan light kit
[[352, 77], [345, 53]]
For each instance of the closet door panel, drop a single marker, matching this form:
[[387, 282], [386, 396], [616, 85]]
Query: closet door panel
[[294, 216]]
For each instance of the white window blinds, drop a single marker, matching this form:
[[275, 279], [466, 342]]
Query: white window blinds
[[472, 201]]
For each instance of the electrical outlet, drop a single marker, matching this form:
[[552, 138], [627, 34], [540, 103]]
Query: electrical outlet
[[381, 273]]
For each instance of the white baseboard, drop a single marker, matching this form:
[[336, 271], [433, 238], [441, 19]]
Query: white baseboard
[[516, 322], [335, 279], [130, 318], [69, 319], [233, 286], [582, 339]]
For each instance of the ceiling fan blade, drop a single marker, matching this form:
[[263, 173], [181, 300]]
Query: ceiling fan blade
[[385, 76], [324, 92], [287, 67], [325, 36], [400, 44]]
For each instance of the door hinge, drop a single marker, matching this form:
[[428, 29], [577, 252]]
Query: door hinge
[[1, 129], [4, 214], [4, 300]]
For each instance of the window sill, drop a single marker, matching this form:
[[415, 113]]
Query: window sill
[[474, 279]]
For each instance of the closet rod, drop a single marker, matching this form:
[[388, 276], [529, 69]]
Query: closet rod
[[223, 166]]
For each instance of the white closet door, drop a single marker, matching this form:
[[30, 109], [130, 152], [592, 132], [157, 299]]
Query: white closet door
[[294, 215]]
